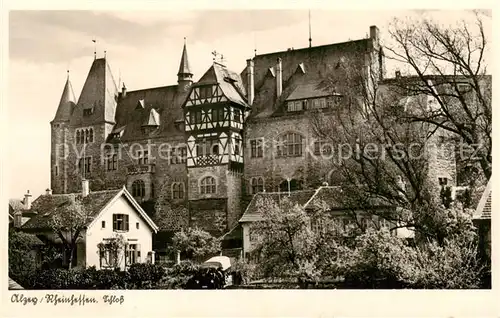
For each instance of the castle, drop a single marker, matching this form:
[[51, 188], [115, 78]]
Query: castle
[[195, 151]]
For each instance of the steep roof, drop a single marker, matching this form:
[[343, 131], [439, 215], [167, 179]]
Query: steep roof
[[230, 82], [184, 68], [100, 93], [311, 64], [66, 104], [93, 204], [15, 205], [483, 210], [167, 102], [297, 197]]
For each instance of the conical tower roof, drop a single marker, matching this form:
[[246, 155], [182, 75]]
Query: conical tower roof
[[67, 103], [184, 69]]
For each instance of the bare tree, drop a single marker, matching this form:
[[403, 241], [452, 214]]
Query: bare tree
[[449, 66], [382, 132]]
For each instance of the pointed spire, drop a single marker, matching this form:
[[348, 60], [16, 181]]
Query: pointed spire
[[67, 101], [184, 70]]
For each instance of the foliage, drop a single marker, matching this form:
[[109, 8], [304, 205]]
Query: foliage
[[115, 247], [22, 262], [195, 244], [374, 258], [68, 223], [142, 275], [285, 241], [178, 275], [88, 278], [244, 272]]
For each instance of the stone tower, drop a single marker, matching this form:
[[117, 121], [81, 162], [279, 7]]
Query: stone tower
[[90, 123], [58, 141]]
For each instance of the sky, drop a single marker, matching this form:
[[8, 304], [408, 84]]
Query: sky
[[143, 49]]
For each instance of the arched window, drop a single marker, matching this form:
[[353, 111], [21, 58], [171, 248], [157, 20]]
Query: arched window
[[290, 145], [178, 190], [207, 185], [138, 189], [77, 136], [292, 185], [91, 135], [257, 184]]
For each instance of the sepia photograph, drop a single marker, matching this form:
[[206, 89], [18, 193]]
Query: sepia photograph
[[236, 149]]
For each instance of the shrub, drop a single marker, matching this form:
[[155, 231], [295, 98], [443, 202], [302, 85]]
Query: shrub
[[243, 272], [22, 262], [145, 274], [179, 275]]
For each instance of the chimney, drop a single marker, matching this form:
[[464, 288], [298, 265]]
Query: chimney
[[279, 79], [124, 90], [374, 35], [85, 187], [27, 200], [18, 219], [250, 82], [398, 74], [48, 191]]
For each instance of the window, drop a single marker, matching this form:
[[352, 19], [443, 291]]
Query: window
[[133, 254], [292, 185], [137, 225], [322, 147], [205, 91], [108, 257], [178, 190], [289, 145], [443, 181], [143, 157], [120, 222], [205, 147], [88, 111], [84, 136], [112, 162], [208, 185], [237, 115], [56, 170], [257, 185], [237, 143], [198, 117], [138, 189], [152, 190], [256, 148], [218, 114], [84, 164], [103, 224], [295, 106], [183, 154]]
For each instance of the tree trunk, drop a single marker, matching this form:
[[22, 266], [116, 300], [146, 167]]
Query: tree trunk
[[71, 252]]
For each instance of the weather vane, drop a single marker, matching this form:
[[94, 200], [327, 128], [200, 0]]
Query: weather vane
[[218, 57]]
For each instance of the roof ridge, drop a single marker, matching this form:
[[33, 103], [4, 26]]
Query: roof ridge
[[313, 47]]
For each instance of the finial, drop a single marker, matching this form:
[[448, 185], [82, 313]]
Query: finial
[[184, 40], [255, 52], [95, 51], [104, 54], [67, 71], [310, 39]]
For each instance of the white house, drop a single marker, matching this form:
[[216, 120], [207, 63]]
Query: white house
[[116, 231]]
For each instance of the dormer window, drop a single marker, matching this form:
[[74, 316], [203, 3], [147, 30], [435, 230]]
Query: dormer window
[[295, 106], [88, 111]]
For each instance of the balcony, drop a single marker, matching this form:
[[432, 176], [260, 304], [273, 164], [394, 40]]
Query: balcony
[[140, 169]]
